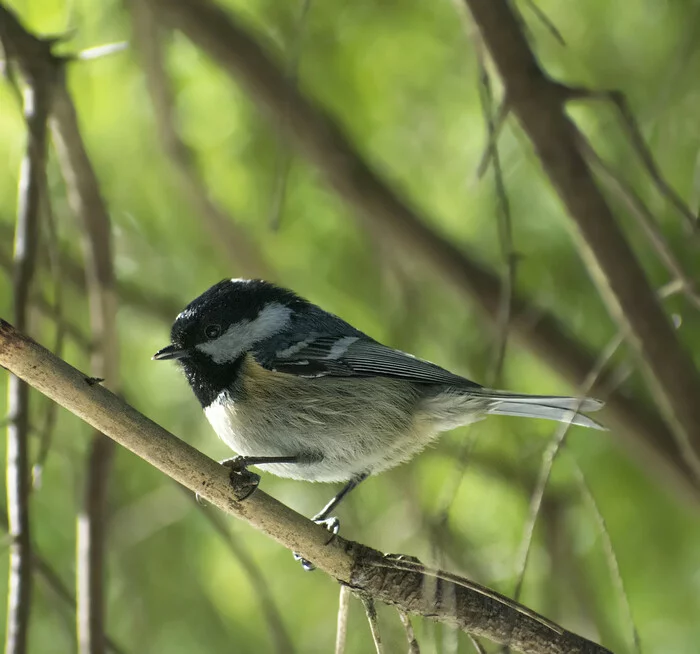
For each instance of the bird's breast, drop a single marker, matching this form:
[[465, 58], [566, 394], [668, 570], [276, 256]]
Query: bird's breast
[[352, 423]]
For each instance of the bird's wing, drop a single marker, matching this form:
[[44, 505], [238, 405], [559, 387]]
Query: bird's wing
[[351, 356]]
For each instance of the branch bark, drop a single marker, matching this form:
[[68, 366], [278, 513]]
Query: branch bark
[[86, 200], [30, 57], [380, 208], [539, 104], [394, 580]]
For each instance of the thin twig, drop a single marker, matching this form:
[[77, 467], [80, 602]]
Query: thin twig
[[498, 122], [280, 636], [341, 634], [33, 59], [611, 557], [55, 583], [371, 611], [634, 133], [546, 21], [548, 458], [645, 219], [100, 51], [505, 228], [86, 201], [51, 413], [478, 647], [413, 645]]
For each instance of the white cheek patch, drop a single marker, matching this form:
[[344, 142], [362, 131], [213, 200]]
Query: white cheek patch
[[241, 336]]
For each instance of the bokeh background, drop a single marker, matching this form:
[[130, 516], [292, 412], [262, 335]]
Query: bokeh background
[[402, 78]]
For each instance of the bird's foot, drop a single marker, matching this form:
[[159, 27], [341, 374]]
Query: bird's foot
[[332, 524], [243, 481]]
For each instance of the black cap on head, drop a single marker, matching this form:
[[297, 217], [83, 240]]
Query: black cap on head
[[229, 301]]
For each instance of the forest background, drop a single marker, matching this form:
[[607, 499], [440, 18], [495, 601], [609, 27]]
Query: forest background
[[519, 267]]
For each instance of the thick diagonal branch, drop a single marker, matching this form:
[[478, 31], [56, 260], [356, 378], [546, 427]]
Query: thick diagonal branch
[[539, 104], [400, 582], [380, 208]]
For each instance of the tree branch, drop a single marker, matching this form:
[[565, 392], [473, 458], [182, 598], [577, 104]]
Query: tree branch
[[393, 580], [539, 104], [380, 208], [33, 59], [85, 197], [87, 202]]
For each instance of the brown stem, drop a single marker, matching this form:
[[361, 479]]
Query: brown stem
[[87, 202], [36, 65]]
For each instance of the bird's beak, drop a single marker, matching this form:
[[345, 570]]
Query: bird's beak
[[170, 352]]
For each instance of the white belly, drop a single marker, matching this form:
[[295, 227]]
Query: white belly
[[348, 427]]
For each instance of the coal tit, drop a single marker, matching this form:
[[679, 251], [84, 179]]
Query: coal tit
[[301, 393]]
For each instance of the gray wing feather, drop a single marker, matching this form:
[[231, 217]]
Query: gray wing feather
[[353, 356]]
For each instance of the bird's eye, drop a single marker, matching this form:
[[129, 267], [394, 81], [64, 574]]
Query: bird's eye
[[212, 331]]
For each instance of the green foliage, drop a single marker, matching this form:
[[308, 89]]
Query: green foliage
[[401, 78]]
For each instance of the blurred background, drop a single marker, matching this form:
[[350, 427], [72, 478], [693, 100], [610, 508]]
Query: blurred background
[[403, 80]]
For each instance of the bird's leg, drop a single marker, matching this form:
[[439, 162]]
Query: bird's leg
[[323, 514], [331, 523]]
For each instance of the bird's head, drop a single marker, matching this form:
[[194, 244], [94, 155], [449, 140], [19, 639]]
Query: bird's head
[[227, 320]]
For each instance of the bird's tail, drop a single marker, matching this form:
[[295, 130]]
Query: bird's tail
[[562, 409]]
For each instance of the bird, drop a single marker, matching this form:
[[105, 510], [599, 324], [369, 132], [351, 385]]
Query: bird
[[300, 393]]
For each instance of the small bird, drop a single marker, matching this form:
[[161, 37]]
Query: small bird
[[300, 393]]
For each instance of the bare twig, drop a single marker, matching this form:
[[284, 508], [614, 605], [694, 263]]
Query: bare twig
[[538, 102], [548, 457], [55, 583], [49, 423], [148, 301], [413, 645], [86, 201], [505, 230], [475, 609], [497, 125], [613, 565], [546, 21], [371, 612], [634, 133], [38, 300], [478, 647], [33, 58], [280, 637], [383, 211], [100, 51], [231, 238], [341, 634], [646, 220]]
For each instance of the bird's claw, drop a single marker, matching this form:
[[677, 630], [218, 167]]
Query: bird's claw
[[332, 524], [243, 481]]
